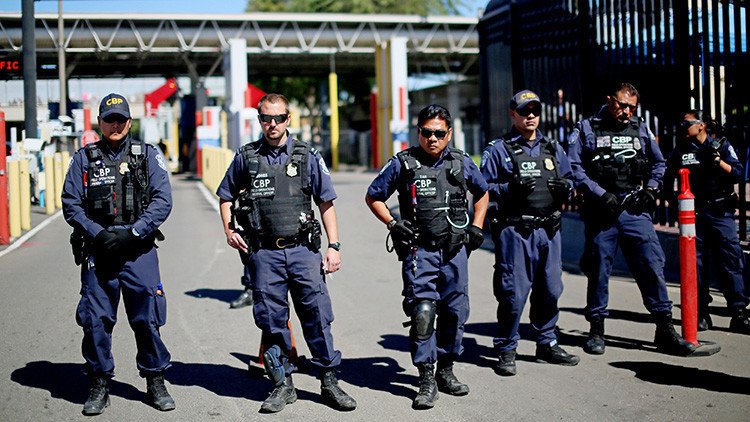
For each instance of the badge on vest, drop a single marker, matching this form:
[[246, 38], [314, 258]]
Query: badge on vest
[[291, 170], [102, 176], [124, 168], [549, 164], [264, 186]]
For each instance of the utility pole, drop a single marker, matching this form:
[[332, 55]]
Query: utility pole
[[61, 71], [29, 67]]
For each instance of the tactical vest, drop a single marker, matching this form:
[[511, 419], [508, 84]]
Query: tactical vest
[[434, 199], [618, 163], [116, 191], [707, 183], [279, 195], [540, 202]]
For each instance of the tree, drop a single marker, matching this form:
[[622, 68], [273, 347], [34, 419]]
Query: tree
[[422, 7]]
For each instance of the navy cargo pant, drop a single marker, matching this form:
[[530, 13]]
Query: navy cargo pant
[[529, 262], [446, 281], [643, 253], [717, 243], [297, 271], [137, 279]]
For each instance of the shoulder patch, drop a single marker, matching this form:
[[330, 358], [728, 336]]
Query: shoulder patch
[[160, 161], [323, 166], [731, 152], [485, 157]]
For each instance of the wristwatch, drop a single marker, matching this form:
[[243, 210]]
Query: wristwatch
[[391, 223], [336, 246]]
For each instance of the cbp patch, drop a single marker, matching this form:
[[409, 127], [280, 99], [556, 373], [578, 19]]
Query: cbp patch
[[323, 166], [573, 138], [485, 157], [732, 153], [160, 161]]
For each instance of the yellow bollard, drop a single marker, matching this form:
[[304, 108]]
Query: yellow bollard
[[333, 95], [65, 163], [49, 184], [58, 180], [223, 129], [14, 198], [25, 186]]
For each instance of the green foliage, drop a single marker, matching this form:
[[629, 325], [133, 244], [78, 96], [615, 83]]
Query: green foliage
[[421, 7]]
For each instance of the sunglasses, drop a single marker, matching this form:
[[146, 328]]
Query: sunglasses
[[625, 106], [688, 123], [278, 118], [524, 112], [115, 118], [427, 133]]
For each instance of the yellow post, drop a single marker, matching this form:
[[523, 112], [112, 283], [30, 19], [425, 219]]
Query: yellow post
[[223, 129], [333, 96], [25, 186], [65, 163], [174, 148], [58, 180], [49, 184], [14, 198]]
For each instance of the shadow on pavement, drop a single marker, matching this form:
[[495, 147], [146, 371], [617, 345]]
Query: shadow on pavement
[[525, 330], [223, 295], [67, 381], [381, 374], [667, 374]]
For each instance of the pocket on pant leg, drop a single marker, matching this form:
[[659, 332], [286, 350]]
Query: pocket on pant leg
[[83, 312], [160, 306]]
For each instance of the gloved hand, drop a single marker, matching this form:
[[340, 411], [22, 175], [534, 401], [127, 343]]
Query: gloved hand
[[121, 240], [708, 155], [403, 235], [642, 201], [103, 241], [611, 204], [521, 187], [476, 238], [559, 188]]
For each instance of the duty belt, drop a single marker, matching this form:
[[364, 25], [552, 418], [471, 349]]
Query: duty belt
[[277, 243], [532, 221]]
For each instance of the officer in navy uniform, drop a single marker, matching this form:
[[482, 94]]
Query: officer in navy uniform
[[116, 195], [433, 240], [529, 179], [714, 170], [618, 168], [273, 181]]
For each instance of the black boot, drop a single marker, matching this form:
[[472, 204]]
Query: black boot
[[553, 353], [157, 394], [428, 392], [447, 381], [244, 299], [666, 338], [332, 394], [98, 396], [595, 342], [704, 320], [280, 396], [506, 365], [740, 322]]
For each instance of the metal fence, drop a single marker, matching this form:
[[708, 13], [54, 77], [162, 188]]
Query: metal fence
[[681, 54]]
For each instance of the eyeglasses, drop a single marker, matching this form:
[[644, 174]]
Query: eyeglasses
[[524, 112], [278, 118], [427, 133], [625, 106], [688, 123], [115, 118]]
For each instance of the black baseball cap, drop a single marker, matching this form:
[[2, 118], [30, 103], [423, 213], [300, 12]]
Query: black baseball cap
[[524, 98], [114, 104]]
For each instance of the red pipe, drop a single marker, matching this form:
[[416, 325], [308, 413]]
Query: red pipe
[[688, 264], [86, 119], [4, 221]]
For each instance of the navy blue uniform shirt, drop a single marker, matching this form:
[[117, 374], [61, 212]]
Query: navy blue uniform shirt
[[497, 165], [237, 174], [386, 182], [160, 191], [726, 152], [582, 143]]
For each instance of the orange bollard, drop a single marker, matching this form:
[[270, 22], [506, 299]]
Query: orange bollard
[[264, 343], [688, 264]]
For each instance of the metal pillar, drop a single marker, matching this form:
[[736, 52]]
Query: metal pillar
[[393, 100], [61, 61], [29, 68], [235, 74]]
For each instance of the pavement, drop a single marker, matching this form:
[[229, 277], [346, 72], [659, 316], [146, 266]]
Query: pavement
[[41, 375]]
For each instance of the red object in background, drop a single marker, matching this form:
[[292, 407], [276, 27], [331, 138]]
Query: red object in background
[[374, 130], [152, 100], [253, 94], [198, 164], [209, 118], [89, 137], [198, 118], [688, 262], [86, 119], [4, 219]]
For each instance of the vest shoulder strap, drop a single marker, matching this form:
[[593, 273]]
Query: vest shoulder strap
[[456, 164], [300, 151], [249, 153]]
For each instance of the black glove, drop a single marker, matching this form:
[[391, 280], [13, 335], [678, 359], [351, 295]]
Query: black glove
[[559, 188], [104, 241], [611, 204], [475, 238], [642, 201], [521, 187], [709, 155], [122, 240], [403, 236]]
